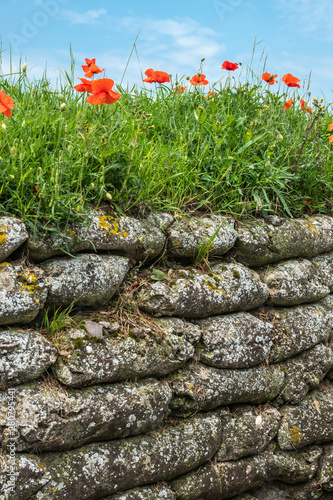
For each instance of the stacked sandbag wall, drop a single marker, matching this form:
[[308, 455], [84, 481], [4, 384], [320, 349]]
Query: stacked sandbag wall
[[198, 363]]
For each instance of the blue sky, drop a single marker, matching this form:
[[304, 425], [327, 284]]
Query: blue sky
[[295, 35]]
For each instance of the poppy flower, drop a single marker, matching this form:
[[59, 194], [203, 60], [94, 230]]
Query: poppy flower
[[90, 68], [331, 139], [330, 127], [269, 78], [85, 86], [179, 89], [229, 66], [6, 104], [101, 92], [290, 80], [156, 76], [303, 104], [287, 104], [198, 80]]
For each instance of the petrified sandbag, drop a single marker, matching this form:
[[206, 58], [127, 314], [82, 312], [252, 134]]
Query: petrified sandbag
[[88, 279], [310, 421], [13, 233], [293, 282], [23, 292], [324, 265], [121, 358], [21, 476], [24, 356], [187, 236], [262, 242], [140, 240], [224, 480], [296, 329], [325, 472], [190, 293], [305, 372], [156, 492], [247, 431], [198, 387], [276, 490], [100, 469], [50, 418], [236, 340]]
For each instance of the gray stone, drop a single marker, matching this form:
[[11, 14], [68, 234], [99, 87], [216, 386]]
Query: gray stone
[[310, 421], [247, 431], [296, 329], [198, 387], [276, 490], [156, 492], [305, 372], [236, 340], [293, 282], [100, 469], [24, 356], [129, 237], [23, 292], [50, 417], [123, 357], [213, 235], [21, 476], [13, 233], [325, 473], [262, 242], [88, 279], [324, 265], [192, 294]]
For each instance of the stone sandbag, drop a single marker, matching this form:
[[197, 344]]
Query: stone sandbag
[[51, 418], [24, 356], [189, 293], [157, 492], [324, 265], [13, 233], [265, 241]]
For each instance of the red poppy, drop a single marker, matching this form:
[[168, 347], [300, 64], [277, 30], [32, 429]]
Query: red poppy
[[198, 80], [330, 127], [269, 78], [229, 66], [6, 104], [91, 69], [287, 104], [303, 104], [179, 89], [307, 201], [102, 93], [85, 86], [290, 80], [331, 138], [156, 76]]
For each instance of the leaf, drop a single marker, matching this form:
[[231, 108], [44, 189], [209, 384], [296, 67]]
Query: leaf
[[158, 275]]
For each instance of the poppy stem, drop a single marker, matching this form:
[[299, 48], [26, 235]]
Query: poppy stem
[[308, 129]]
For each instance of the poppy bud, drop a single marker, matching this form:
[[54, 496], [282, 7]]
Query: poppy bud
[[60, 96], [24, 67], [187, 77], [63, 106], [4, 126], [198, 73], [108, 196], [202, 59]]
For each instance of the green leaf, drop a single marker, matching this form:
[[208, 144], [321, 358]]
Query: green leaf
[[158, 275]]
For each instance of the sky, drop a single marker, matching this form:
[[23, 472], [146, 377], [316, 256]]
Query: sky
[[289, 36]]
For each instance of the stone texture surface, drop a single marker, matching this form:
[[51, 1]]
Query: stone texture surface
[[296, 329], [121, 358], [193, 294], [13, 233], [24, 356], [100, 469], [216, 234], [294, 282], [23, 292], [88, 279], [310, 421], [305, 372], [262, 242], [50, 417], [276, 490], [325, 473], [324, 264], [126, 236], [247, 431], [146, 493], [236, 340], [198, 387]]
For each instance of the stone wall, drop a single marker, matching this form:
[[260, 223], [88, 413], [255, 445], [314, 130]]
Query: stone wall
[[198, 363]]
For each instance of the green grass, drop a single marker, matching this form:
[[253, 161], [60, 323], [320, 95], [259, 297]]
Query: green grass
[[234, 152]]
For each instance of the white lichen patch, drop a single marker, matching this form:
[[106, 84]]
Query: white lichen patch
[[13, 233]]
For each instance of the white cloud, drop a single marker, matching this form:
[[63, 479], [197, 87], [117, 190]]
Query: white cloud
[[89, 17]]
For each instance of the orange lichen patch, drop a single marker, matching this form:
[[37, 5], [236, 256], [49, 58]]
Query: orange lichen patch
[[295, 435], [111, 227], [212, 286], [3, 235], [29, 284]]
